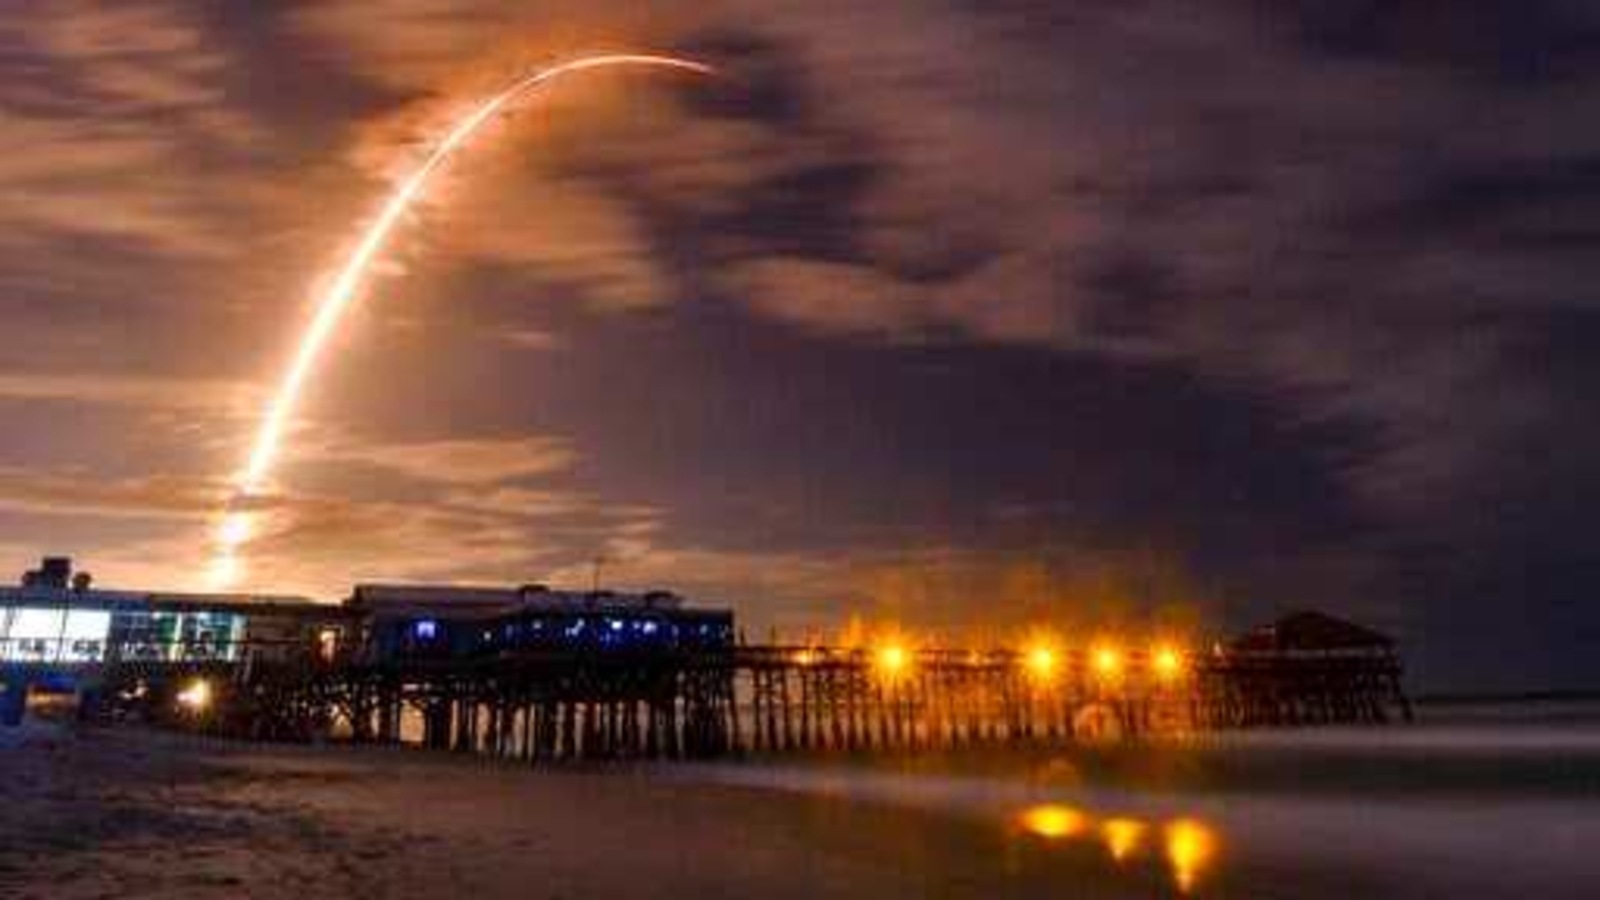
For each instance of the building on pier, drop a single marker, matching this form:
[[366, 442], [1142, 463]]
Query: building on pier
[[61, 635], [57, 618], [1305, 668], [535, 671], [1312, 634], [411, 622]]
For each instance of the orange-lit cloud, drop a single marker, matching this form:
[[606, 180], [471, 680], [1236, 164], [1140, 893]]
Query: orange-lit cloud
[[463, 461]]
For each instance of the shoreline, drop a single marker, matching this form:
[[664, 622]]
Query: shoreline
[[133, 812]]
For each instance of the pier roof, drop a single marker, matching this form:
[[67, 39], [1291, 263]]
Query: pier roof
[[95, 598], [1310, 631], [466, 602]]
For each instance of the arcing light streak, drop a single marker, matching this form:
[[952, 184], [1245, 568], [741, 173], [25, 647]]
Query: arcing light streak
[[235, 527], [343, 290]]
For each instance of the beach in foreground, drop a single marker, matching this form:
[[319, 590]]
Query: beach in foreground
[[1464, 810]]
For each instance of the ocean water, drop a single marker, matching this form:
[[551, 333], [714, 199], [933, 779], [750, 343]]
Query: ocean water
[[1470, 801]]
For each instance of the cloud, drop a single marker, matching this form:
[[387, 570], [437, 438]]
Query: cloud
[[531, 339], [155, 393], [844, 297], [1224, 193], [795, 592], [480, 462], [78, 493], [551, 503], [319, 545], [99, 144], [509, 200]]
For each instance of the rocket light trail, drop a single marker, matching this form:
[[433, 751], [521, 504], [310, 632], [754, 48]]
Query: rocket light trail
[[235, 528]]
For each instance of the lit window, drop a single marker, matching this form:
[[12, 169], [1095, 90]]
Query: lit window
[[425, 630], [84, 636]]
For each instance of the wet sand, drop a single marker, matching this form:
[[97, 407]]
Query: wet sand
[[125, 813], [130, 813]]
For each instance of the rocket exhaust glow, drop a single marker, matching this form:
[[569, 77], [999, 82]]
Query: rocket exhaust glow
[[235, 527]]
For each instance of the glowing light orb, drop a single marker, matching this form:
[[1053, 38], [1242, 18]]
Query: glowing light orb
[[892, 660], [1107, 662], [1191, 850], [235, 528], [1041, 661], [1053, 821], [196, 697], [1167, 662]]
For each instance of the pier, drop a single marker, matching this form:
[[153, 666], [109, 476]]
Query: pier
[[536, 674], [769, 700]]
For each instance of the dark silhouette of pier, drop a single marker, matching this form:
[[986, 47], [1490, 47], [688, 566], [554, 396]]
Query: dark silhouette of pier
[[537, 674], [753, 700]]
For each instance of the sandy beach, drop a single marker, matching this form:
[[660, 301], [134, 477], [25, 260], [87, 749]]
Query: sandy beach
[[134, 813]]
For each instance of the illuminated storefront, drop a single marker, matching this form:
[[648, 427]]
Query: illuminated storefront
[[44, 634]]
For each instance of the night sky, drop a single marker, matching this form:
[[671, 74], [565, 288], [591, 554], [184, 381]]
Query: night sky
[[965, 314]]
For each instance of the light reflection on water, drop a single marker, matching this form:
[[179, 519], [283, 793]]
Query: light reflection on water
[[1053, 821], [1191, 845], [1191, 849], [1123, 837], [1474, 803]]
